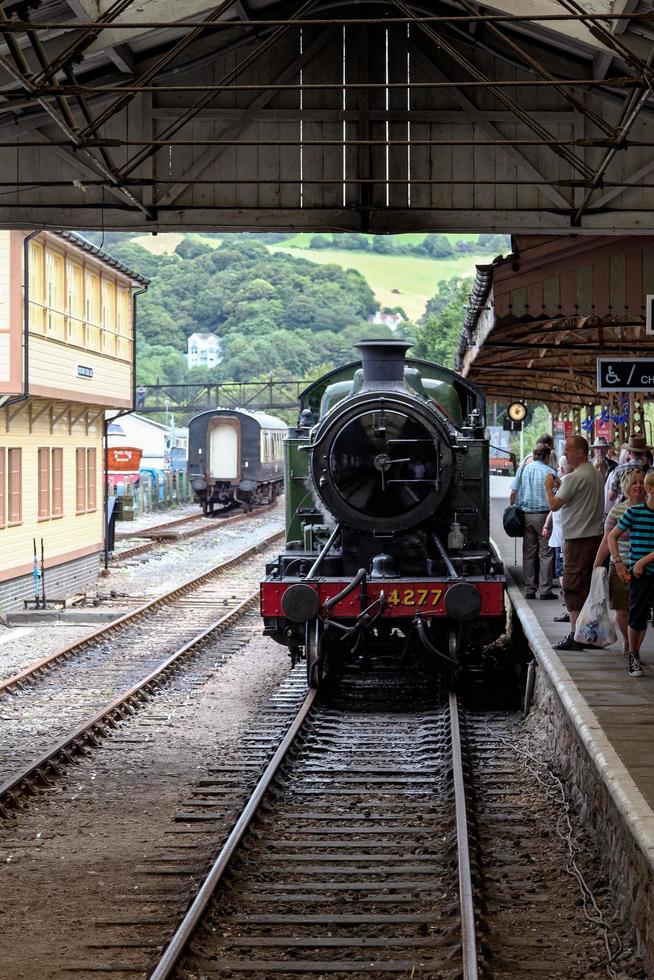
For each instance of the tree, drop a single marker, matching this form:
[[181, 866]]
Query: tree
[[437, 246], [320, 241], [436, 335], [190, 248]]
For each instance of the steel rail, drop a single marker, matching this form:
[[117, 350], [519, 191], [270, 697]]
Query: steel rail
[[622, 81], [35, 669], [158, 534], [587, 142], [212, 523], [173, 951], [324, 181], [468, 937], [95, 727], [18, 25]]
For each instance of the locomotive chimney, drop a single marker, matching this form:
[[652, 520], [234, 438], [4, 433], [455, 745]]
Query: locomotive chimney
[[383, 364]]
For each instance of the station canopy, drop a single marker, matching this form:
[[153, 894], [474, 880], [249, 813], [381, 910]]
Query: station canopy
[[540, 318], [525, 116]]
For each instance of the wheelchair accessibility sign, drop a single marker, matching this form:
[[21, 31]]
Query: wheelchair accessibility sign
[[625, 374]]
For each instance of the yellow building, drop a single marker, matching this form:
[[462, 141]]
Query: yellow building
[[66, 357]]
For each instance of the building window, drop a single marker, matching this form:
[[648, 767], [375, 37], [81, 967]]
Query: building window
[[3, 479], [86, 480], [75, 302], [54, 299], [80, 480], [15, 495], [57, 482], [36, 297], [108, 317], [44, 484], [92, 294], [124, 323], [91, 480]]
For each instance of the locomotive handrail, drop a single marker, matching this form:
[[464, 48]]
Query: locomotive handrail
[[318, 562], [444, 555]]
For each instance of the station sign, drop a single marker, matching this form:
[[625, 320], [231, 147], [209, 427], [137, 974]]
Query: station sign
[[625, 374]]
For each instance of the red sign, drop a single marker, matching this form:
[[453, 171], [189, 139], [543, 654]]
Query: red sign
[[562, 430], [603, 430]]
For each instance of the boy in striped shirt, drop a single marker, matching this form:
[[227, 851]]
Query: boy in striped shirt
[[639, 522]]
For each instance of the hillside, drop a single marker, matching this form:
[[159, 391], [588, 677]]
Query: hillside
[[408, 281]]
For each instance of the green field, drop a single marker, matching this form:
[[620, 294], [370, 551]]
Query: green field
[[396, 280]]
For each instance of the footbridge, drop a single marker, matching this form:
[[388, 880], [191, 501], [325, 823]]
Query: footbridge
[[193, 398]]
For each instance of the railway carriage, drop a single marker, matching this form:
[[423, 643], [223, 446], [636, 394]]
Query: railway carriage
[[236, 457], [387, 519]]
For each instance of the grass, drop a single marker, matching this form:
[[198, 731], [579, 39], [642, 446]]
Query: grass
[[396, 280]]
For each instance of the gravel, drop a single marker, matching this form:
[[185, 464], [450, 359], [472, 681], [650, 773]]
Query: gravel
[[134, 581]]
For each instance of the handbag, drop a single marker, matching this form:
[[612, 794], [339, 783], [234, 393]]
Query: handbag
[[594, 626], [513, 520]]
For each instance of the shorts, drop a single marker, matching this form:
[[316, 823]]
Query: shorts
[[578, 558], [641, 595], [618, 591]]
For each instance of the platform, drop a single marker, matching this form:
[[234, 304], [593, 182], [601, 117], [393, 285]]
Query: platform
[[622, 705]]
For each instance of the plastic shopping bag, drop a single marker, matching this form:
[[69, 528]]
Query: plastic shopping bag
[[594, 626]]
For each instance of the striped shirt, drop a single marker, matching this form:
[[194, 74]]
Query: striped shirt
[[639, 521], [530, 485], [612, 518]]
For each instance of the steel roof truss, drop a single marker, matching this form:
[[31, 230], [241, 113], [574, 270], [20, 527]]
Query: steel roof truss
[[523, 115], [243, 118], [189, 114]]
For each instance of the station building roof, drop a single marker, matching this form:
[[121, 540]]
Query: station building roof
[[87, 246], [540, 317]]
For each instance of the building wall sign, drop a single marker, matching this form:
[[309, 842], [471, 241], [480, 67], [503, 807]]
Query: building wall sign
[[625, 374], [84, 372]]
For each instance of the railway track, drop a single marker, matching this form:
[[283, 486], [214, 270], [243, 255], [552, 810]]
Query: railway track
[[354, 857], [351, 867], [180, 530], [69, 700]]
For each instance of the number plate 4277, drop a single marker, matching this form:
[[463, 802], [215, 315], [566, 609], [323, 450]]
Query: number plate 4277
[[414, 597]]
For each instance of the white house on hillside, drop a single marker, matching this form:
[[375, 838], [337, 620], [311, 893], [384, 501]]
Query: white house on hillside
[[204, 350]]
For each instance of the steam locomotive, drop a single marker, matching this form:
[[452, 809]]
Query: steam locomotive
[[387, 519]]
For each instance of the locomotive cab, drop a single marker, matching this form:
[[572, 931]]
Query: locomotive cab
[[387, 519]]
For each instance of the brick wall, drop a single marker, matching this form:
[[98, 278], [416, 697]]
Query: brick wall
[[64, 580]]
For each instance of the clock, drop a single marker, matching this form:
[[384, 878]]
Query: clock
[[517, 411]]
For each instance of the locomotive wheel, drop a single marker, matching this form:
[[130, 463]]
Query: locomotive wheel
[[314, 651]]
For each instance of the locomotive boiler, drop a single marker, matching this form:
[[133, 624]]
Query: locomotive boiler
[[387, 519]]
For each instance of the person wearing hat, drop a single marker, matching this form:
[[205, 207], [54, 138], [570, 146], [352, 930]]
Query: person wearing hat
[[600, 459], [636, 447]]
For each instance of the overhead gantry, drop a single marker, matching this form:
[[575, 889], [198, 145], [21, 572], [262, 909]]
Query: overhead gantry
[[530, 116]]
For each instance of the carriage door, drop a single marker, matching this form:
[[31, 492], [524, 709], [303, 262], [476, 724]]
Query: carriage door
[[224, 452]]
